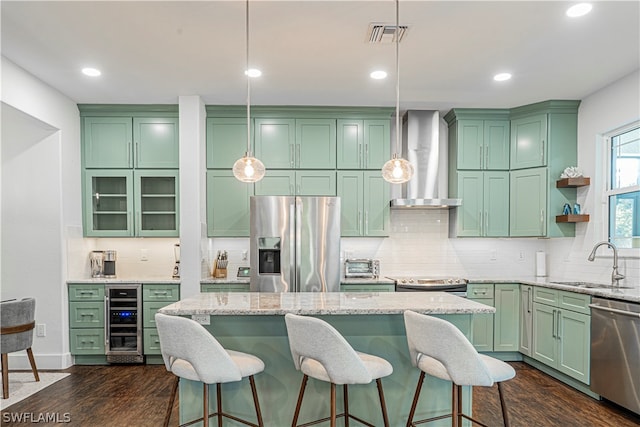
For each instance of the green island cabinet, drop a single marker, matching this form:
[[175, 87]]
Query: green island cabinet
[[225, 287], [86, 321], [499, 331], [363, 144], [562, 331], [364, 204], [367, 287], [283, 182], [130, 170], [543, 144], [478, 171], [154, 297]]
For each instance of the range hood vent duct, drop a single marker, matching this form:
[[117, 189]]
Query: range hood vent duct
[[427, 152]]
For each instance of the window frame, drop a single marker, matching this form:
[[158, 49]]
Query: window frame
[[608, 191]]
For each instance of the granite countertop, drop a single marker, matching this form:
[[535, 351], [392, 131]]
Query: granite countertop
[[379, 280], [225, 280], [116, 280], [625, 294], [327, 303]]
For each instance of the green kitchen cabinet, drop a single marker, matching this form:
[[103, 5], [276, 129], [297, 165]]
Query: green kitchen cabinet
[[275, 141], [364, 204], [479, 139], [363, 287], [315, 144], [362, 144], [226, 141], [499, 331], [528, 213], [485, 204], [561, 331], [108, 202], [225, 287], [130, 142], [526, 319], [156, 203], [86, 319], [127, 203], [227, 205], [154, 297], [482, 329], [297, 183], [529, 142]]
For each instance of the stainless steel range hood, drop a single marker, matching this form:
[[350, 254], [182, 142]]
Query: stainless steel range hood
[[427, 152]]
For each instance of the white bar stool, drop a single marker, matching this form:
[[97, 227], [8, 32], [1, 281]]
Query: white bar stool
[[321, 352], [441, 350], [190, 351]]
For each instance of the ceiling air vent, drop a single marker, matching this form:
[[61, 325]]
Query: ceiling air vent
[[384, 33]]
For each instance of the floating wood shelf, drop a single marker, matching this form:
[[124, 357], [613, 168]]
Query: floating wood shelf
[[572, 218], [573, 182]]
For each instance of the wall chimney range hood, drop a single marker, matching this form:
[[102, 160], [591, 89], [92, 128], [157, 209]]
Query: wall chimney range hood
[[427, 152]]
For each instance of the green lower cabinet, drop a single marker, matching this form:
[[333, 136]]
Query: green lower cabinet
[[224, 287], [151, 341], [499, 331], [86, 314], [227, 205], [526, 319], [364, 204], [154, 297], [561, 337], [363, 287], [87, 341], [86, 319]]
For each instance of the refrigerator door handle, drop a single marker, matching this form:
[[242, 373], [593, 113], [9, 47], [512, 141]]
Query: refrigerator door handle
[[292, 273], [298, 239]]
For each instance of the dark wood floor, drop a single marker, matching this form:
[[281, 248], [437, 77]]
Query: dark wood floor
[[138, 395]]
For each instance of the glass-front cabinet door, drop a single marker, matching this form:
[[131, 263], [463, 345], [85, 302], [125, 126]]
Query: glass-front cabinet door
[[108, 203], [156, 203]]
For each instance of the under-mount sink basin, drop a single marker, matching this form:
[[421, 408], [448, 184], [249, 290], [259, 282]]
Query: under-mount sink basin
[[592, 285]]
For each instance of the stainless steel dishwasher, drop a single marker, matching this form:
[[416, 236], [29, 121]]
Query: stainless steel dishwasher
[[615, 351]]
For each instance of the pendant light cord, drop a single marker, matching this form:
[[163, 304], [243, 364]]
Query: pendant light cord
[[248, 80], [397, 77]]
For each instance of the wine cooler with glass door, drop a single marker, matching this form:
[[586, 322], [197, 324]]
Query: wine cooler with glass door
[[123, 335]]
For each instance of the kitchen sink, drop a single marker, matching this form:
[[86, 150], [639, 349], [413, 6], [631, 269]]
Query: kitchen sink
[[592, 285]]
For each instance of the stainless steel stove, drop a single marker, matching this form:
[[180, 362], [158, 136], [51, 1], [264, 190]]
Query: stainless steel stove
[[453, 285]]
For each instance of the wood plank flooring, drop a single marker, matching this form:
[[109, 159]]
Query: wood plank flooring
[[137, 396]]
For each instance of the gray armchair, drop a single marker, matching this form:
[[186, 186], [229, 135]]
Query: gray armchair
[[17, 320]]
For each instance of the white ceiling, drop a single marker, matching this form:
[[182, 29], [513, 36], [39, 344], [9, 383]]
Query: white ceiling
[[316, 53]]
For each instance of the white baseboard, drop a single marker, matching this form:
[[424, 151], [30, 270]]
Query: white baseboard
[[20, 361]]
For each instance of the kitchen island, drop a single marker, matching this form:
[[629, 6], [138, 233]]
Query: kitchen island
[[371, 323]]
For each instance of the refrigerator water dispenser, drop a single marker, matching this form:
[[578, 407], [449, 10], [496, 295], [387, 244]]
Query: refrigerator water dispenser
[[269, 255]]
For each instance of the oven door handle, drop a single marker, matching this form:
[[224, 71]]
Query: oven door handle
[[615, 310]]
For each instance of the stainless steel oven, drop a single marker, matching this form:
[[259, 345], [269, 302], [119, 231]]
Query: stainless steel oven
[[615, 351], [453, 285], [123, 326]]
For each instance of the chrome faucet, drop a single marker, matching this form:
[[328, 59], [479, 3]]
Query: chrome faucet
[[615, 276]]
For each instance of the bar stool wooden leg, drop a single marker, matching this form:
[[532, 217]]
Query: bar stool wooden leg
[[205, 405], [505, 416], [454, 405], [219, 403], [256, 403], [294, 423], [333, 405], [345, 399], [459, 409], [174, 390], [32, 361], [416, 395], [383, 404], [5, 377]]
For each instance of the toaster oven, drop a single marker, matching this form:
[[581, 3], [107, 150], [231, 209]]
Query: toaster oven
[[362, 268]]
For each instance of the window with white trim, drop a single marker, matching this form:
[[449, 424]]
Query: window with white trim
[[623, 186]]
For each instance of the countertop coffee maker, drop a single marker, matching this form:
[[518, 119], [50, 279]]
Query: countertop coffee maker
[[109, 263], [103, 263]]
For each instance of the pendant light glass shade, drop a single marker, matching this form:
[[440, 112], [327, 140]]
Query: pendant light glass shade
[[397, 170], [248, 168]]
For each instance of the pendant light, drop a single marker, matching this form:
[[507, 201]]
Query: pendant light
[[397, 170], [248, 168]]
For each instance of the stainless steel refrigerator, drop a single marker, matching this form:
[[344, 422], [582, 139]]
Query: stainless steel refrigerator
[[295, 244]]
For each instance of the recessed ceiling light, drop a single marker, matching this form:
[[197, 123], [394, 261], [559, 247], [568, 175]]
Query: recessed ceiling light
[[378, 74], [501, 77], [92, 72], [579, 9], [253, 72]]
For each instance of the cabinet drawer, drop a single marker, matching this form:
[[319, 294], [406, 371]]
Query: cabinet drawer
[[545, 296], [87, 341], [151, 341], [574, 302], [149, 310], [169, 293], [87, 292], [224, 287], [480, 290], [86, 314]]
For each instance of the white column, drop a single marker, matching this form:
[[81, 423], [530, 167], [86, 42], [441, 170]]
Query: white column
[[193, 229]]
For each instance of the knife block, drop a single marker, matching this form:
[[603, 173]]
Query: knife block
[[219, 272]]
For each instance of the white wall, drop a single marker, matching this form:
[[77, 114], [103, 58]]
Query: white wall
[[40, 201], [603, 111]]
